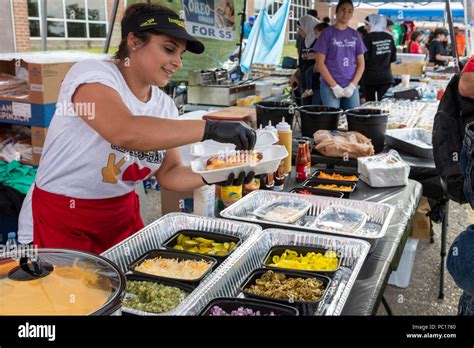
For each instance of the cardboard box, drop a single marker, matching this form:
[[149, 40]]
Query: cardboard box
[[44, 80], [46, 72], [422, 224], [38, 137], [408, 68], [26, 114], [34, 136], [201, 201], [173, 202]]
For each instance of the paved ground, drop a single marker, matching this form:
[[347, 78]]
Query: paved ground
[[421, 297]]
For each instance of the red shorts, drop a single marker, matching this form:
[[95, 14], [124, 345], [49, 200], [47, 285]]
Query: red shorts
[[92, 225]]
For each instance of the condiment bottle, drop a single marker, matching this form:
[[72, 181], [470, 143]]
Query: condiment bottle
[[228, 195], [302, 162], [308, 154], [285, 138], [280, 177], [270, 128]]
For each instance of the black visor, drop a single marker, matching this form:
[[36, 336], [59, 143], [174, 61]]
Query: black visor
[[165, 23]]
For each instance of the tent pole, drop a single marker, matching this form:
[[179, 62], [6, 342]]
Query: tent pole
[[453, 36], [44, 26], [111, 27], [467, 31], [242, 22]]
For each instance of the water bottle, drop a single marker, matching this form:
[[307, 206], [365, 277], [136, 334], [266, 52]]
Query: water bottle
[[11, 244]]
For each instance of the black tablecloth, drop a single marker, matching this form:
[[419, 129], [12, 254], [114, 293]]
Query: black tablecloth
[[369, 287]]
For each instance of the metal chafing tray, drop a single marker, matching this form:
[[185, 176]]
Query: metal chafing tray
[[378, 214], [226, 281], [414, 141], [153, 236], [223, 95]]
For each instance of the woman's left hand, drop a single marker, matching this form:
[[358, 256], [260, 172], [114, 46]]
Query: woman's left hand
[[349, 90]]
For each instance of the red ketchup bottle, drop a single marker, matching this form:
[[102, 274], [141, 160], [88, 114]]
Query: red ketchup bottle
[[302, 162]]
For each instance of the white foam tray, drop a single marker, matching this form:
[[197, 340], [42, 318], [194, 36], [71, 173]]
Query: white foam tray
[[211, 147], [272, 156]]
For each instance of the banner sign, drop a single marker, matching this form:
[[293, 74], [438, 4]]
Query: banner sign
[[212, 19]]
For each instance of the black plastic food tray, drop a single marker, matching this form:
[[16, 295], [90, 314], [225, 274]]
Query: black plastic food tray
[[218, 237], [176, 254], [304, 307], [315, 175], [183, 286], [280, 249], [319, 192], [229, 304], [314, 182]]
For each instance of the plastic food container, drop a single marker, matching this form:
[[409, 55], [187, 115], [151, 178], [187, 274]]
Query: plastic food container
[[272, 156], [317, 175], [131, 277], [229, 304], [217, 237], [180, 256], [414, 141], [278, 250], [317, 192], [338, 219], [59, 282], [304, 307], [313, 183], [283, 210]]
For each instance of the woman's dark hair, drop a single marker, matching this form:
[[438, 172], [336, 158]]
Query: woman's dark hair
[[414, 35], [342, 2], [313, 13], [326, 20], [321, 26], [144, 36], [439, 31]]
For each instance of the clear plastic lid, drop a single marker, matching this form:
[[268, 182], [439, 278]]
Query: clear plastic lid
[[286, 211], [58, 282], [338, 218]]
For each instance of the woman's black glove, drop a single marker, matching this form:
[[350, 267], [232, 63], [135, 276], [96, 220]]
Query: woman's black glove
[[237, 133], [231, 181]]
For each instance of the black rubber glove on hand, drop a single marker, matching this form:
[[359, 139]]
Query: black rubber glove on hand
[[237, 133], [231, 181]]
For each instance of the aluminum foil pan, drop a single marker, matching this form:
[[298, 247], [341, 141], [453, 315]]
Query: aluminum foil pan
[[226, 281], [374, 228], [153, 236], [414, 141]]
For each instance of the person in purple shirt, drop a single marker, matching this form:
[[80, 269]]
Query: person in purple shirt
[[340, 60]]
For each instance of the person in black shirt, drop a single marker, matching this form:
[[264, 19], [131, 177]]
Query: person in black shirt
[[439, 54], [306, 60], [381, 52]]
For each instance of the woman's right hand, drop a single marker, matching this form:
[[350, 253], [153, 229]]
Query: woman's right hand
[[338, 92], [237, 133]]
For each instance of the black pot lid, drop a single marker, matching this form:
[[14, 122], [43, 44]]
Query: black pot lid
[[59, 282]]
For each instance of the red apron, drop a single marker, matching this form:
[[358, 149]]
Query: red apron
[[92, 225]]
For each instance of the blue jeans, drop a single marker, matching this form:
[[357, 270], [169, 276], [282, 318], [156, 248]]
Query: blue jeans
[[466, 162], [460, 264], [328, 99]]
